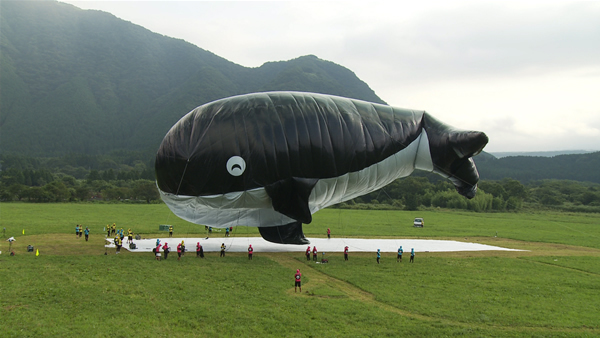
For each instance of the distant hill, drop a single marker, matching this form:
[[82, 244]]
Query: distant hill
[[577, 167], [84, 81], [540, 153]]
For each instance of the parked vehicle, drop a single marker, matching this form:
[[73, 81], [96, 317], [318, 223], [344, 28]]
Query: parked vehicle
[[419, 223]]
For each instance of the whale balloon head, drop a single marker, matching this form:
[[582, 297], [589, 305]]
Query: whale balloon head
[[271, 160], [451, 153]]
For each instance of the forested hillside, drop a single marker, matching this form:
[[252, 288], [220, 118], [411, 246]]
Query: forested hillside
[[84, 81], [577, 167]]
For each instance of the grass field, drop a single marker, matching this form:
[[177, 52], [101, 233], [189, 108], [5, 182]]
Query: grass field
[[73, 289]]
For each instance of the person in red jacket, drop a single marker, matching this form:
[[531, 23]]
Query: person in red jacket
[[250, 251], [328, 233], [308, 253], [166, 249], [179, 251], [297, 280], [314, 253], [157, 252], [346, 253]]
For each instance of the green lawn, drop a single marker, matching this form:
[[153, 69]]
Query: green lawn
[[73, 289]]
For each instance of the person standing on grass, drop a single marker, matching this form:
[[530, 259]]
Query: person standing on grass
[[77, 231], [250, 251], [129, 236], [113, 228], [308, 253], [328, 233], [227, 232], [378, 255], [80, 230], [298, 281], [108, 230], [412, 255], [118, 244], [198, 249], [346, 253], [182, 248], [179, 251], [87, 233], [157, 252], [122, 234], [170, 231], [314, 253], [400, 252], [201, 250], [222, 254], [166, 249]]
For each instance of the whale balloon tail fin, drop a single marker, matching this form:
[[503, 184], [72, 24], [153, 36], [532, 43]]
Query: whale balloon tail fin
[[284, 234]]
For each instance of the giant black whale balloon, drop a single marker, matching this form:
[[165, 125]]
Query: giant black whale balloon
[[273, 159]]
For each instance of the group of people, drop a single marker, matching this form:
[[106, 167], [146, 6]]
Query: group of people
[[79, 232], [298, 275], [314, 253], [228, 230], [400, 252], [399, 258], [166, 249], [181, 250], [119, 236]]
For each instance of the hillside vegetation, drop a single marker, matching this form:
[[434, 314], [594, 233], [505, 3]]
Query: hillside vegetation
[[84, 81]]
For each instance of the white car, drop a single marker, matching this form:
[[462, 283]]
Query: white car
[[419, 222]]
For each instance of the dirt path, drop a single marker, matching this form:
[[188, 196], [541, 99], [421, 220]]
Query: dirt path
[[319, 279]]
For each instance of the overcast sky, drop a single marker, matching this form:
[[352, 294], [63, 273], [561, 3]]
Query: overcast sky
[[525, 72]]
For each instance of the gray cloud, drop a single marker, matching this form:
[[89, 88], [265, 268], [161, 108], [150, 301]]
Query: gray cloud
[[484, 40]]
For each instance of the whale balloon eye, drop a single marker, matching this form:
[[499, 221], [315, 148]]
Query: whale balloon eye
[[236, 166]]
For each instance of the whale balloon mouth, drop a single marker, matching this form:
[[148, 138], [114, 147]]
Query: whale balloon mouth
[[236, 166]]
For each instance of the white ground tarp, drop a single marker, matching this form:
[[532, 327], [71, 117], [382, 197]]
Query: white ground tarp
[[240, 244]]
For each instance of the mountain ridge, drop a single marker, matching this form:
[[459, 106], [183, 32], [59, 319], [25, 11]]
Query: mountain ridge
[[85, 81]]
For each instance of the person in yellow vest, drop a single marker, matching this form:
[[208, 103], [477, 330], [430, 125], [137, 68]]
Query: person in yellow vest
[[129, 236], [170, 231], [113, 229], [107, 230], [118, 244]]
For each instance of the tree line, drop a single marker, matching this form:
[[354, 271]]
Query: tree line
[[135, 183], [415, 192], [77, 178]]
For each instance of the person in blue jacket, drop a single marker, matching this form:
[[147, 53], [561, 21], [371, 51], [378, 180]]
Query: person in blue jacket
[[87, 233], [412, 255], [400, 252], [378, 255]]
